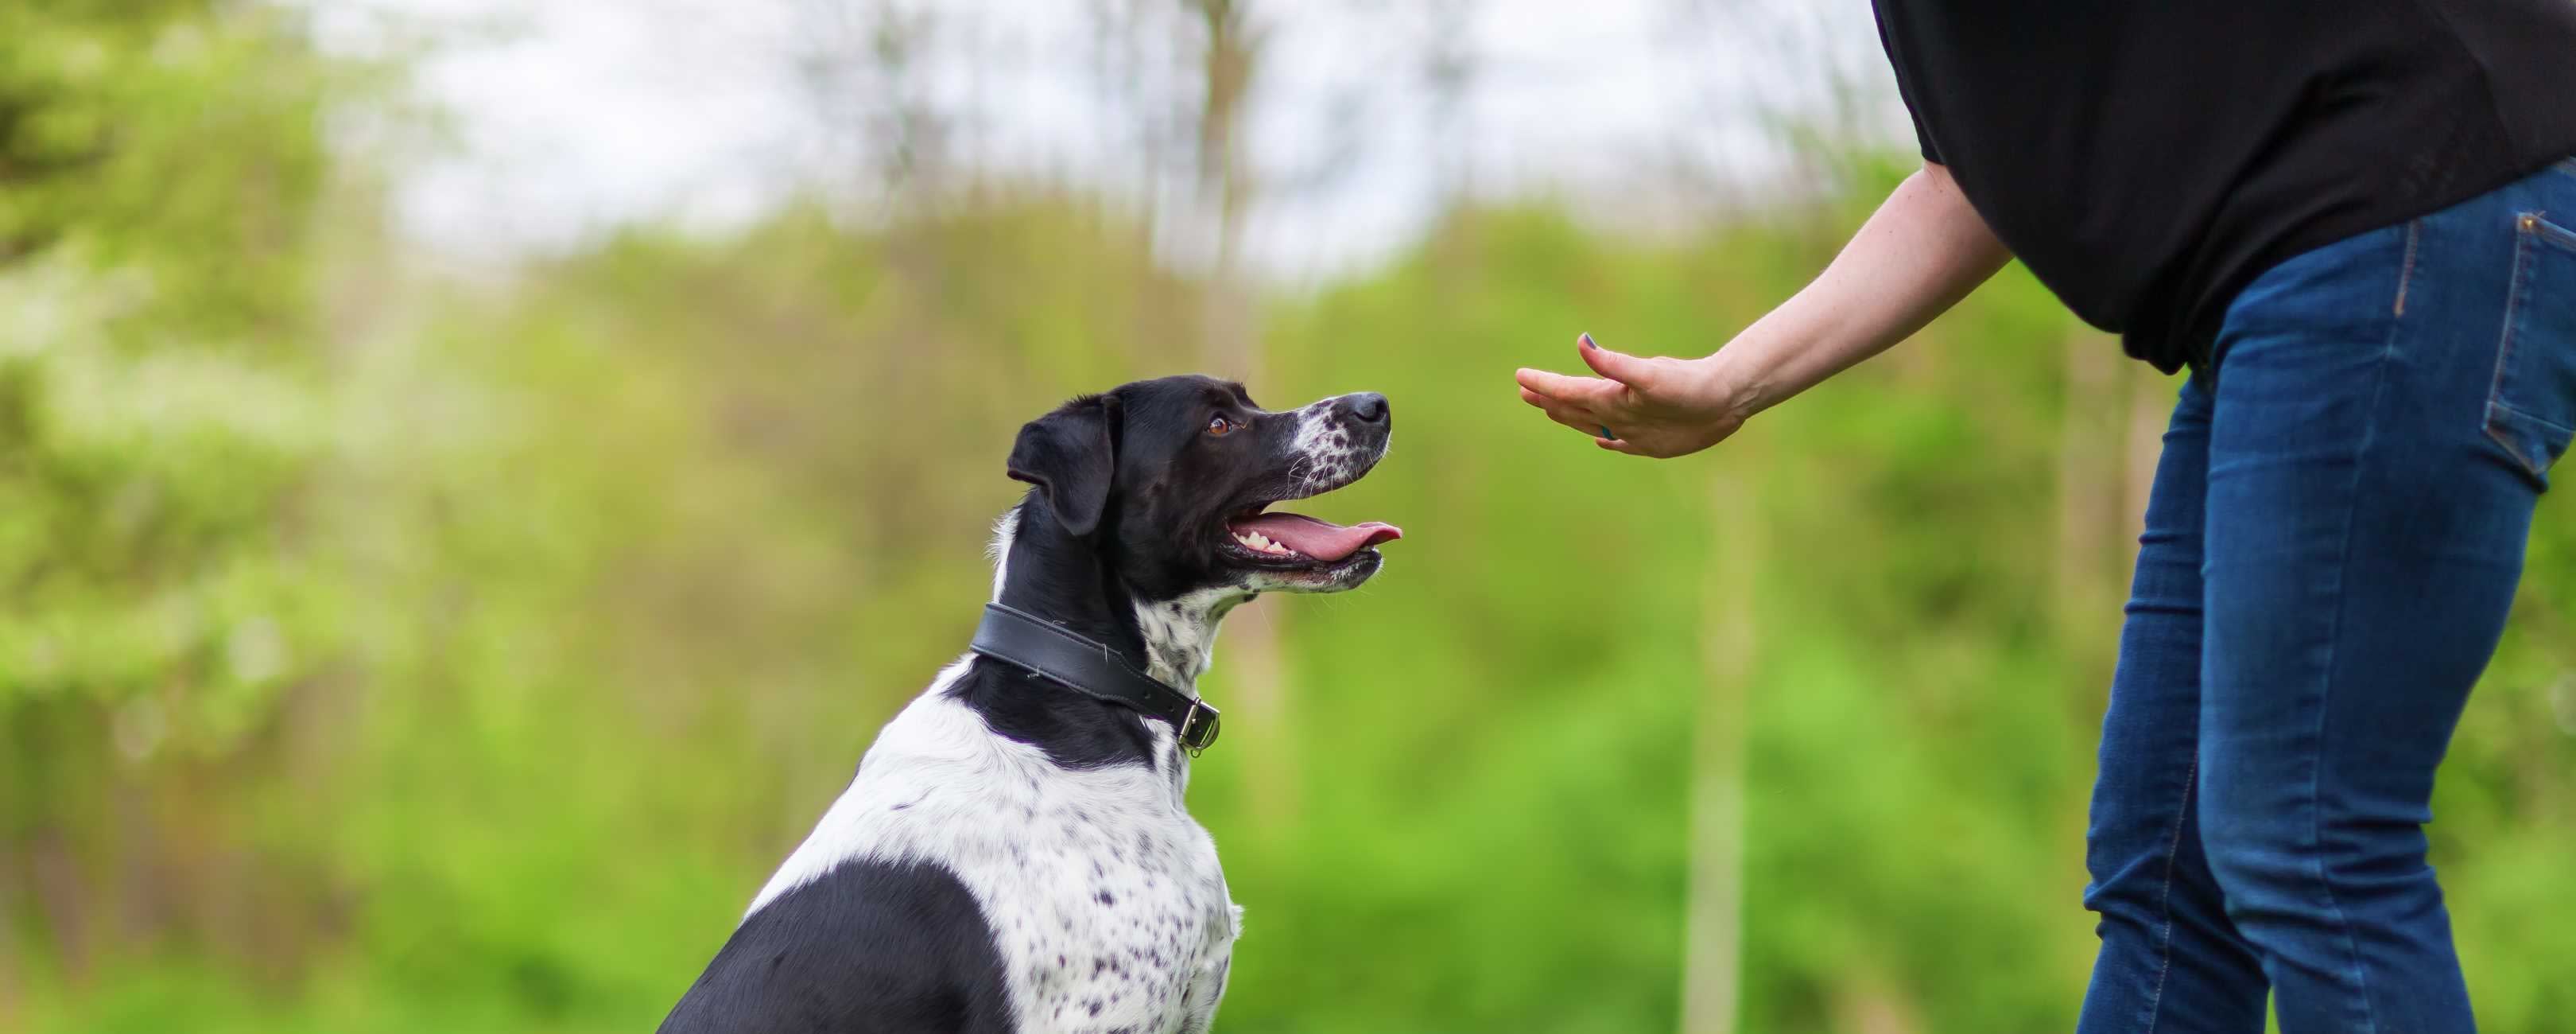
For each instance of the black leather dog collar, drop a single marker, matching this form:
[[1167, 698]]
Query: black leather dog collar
[[1091, 667]]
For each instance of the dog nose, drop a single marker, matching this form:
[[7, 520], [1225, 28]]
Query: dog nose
[[1367, 406]]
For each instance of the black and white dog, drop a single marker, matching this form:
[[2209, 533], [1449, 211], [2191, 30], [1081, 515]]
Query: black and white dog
[[1014, 855]]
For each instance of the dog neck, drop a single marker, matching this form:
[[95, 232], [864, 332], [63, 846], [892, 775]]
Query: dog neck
[[1180, 635], [1044, 571]]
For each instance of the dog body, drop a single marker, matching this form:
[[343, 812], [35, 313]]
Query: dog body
[[1014, 855]]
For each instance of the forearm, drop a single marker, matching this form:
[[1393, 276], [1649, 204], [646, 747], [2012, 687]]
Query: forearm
[[1922, 251], [1918, 255]]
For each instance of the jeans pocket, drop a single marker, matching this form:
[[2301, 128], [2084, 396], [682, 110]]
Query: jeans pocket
[[2531, 410]]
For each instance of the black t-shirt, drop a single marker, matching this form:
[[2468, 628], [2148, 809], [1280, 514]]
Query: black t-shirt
[[2147, 160]]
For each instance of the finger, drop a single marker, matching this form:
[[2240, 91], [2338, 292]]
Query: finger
[[1553, 385], [1576, 420], [1582, 418], [1622, 445], [1618, 366], [1573, 416], [1564, 413], [1568, 389]]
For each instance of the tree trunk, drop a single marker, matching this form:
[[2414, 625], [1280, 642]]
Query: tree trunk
[[62, 900], [2091, 484], [1712, 957], [1231, 347], [10, 982]]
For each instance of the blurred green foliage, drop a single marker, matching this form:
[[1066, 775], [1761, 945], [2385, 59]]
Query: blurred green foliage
[[467, 665], [162, 413]]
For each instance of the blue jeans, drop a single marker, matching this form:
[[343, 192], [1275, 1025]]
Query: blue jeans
[[2331, 547]]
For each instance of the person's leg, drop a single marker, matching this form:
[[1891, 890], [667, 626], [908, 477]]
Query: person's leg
[[2169, 961], [2384, 413]]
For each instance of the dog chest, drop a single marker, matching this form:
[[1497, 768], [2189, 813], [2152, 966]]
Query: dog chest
[[1103, 896], [1108, 918]]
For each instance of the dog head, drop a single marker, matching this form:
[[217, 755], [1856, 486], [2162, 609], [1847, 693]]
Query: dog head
[[1169, 483]]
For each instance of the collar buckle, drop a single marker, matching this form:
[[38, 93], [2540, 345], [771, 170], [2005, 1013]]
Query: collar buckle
[[1198, 728]]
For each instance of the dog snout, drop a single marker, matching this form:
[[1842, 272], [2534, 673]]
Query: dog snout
[[1367, 407]]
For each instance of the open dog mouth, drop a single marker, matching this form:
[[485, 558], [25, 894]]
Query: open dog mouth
[[1296, 540]]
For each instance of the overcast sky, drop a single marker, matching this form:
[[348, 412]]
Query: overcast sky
[[572, 116]]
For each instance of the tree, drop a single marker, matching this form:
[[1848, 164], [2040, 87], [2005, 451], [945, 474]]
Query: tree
[[159, 166]]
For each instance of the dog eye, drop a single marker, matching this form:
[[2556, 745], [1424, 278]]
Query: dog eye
[[1218, 424]]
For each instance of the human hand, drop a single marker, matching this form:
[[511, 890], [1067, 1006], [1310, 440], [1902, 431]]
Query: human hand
[[1657, 407]]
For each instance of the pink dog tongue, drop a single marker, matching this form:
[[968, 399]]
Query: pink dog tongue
[[1322, 540]]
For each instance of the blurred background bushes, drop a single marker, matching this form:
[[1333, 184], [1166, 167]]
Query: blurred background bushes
[[389, 651]]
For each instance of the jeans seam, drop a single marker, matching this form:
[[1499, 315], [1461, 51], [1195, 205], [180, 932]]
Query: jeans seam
[[2531, 416], [2527, 238], [2406, 272], [2164, 900], [2325, 689], [2546, 230], [2504, 352]]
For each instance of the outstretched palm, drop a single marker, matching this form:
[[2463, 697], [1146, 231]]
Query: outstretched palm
[[1657, 407]]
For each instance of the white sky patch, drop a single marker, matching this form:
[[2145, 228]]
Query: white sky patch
[[572, 117]]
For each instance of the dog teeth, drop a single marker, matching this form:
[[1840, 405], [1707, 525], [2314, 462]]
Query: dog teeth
[[1259, 543]]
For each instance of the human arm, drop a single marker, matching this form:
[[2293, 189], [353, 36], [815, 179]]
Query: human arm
[[1923, 250]]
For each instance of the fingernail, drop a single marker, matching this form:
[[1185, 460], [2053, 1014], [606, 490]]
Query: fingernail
[[1587, 340]]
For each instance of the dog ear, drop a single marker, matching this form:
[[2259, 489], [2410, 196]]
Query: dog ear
[[1071, 456]]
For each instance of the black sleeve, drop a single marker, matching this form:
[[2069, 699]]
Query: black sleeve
[[1905, 87], [1922, 139]]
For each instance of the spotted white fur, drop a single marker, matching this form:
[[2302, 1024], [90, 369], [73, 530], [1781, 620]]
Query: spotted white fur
[[1104, 895], [1325, 457], [1180, 635]]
